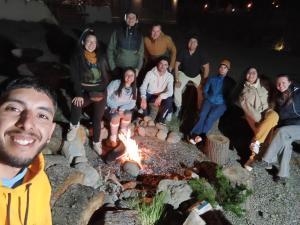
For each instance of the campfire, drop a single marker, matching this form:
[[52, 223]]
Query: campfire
[[132, 154]]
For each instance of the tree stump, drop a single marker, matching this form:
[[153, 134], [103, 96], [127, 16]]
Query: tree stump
[[217, 148]]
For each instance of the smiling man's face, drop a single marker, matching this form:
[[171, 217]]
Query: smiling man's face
[[26, 125]]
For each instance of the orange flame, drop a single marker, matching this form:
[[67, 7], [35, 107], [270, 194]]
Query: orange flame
[[132, 151]]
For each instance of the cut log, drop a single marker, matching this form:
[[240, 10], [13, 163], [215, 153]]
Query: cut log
[[77, 205], [217, 148]]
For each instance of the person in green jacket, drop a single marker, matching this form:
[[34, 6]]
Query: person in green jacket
[[126, 47]]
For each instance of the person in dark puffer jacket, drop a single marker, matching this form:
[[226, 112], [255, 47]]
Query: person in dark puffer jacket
[[89, 78], [126, 47], [288, 109]]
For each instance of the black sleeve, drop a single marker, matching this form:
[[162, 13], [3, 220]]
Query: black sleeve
[[179, 56]]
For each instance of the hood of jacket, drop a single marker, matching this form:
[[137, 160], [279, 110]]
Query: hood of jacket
[[28, 203]]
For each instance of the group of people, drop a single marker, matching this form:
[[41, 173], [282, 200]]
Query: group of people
[[107, 80]]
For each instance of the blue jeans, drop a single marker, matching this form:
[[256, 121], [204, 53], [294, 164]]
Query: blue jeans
[[209, 114], [164, 108]]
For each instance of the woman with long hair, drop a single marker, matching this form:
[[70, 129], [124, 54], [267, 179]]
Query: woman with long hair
[[288, 109], [121, 100], [90, 79], [258, 112]]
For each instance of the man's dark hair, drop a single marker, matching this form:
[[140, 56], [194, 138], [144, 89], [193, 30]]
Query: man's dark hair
[[165, 58], [29, 82], [156, 24]]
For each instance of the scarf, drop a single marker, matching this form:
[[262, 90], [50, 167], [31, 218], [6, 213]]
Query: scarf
[[90, 57]]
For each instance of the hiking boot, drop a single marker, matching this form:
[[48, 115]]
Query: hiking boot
[[97, 147], [254, 147], [72, 132], [249, 165]]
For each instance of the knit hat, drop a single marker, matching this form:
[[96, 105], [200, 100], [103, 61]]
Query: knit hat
[[225, 62]]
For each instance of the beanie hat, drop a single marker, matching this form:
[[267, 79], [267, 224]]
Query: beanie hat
[[225, 62]]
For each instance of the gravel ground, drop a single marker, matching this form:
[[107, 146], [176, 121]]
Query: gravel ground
[[271, 203]]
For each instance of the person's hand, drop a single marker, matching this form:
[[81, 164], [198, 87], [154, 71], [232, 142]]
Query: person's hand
[[144, 104], [177, 83], [157, 101], [78, 101]]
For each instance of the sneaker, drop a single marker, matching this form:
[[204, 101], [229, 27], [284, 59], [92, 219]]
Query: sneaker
[[254, 147], [72, 132], [169, 117], [97, 147], [249, 165]]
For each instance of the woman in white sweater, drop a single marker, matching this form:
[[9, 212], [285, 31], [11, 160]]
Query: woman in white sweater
[[259, 115], [121, 100]]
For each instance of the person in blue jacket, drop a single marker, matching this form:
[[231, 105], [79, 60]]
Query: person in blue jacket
[[217, 91]]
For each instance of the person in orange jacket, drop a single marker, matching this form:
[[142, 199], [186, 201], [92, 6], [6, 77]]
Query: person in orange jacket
[[27, 109]]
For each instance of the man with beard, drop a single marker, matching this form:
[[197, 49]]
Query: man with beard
[[27, 109]]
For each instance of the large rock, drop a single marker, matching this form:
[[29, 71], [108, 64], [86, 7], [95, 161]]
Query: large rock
[[75, 148], [151, 123], [162, 127], [61, 177], [177, 191], [132, 168], [56, 141], [151, 131], [77, 205], [91, 176], [238, 175], [174, 137], [51, 160], [162, 134], [142, 131]]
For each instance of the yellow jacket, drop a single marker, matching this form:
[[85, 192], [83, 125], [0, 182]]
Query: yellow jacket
[[29, 203]]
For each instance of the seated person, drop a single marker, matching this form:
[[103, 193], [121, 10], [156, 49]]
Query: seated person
[[217, 92], [121, 100], [261, 118], [288, 109], [157, 88], [89, 78]]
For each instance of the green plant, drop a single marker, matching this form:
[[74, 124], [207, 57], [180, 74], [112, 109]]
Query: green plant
[[149, 213], [203, 190], [228, 196]]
